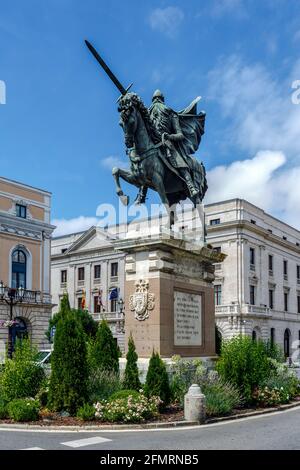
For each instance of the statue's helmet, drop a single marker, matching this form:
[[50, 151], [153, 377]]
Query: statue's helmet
[[157, 95]]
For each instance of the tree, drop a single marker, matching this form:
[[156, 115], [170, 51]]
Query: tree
[[89, 324], [105, 351], [69, 366], [157, 380], [131, 377]]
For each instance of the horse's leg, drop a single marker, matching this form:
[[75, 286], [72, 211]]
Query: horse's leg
[[127, 176], [158, 182]]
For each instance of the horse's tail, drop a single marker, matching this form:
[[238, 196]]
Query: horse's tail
[[199, 176]]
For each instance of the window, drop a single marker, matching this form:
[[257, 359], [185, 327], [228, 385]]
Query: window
[[63, 276], [97, 271], [114, 271], [64, 250], [297, 244], [113, 305], [270, 231], [214, 222], [286, 301], [298, 273], [21, 211], [252, 295], [217, 249], [253, 221], [298, 303], [252, 256], [97, 306], [254, 335], [271, 263], [284, 238], [19, 264], [271, 298], [285, 269], [79, 303], [272, 337], [80, 274], [218, 294]]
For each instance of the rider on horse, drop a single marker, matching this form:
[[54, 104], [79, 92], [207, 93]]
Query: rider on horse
[[171, 126]]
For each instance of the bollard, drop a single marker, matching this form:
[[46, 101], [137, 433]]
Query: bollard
[[194, 404]]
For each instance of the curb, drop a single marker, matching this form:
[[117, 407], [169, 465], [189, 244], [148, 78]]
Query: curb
[[253, 413], [104, 427], [158, 425]]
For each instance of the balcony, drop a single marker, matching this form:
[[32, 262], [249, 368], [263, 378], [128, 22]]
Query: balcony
[[252, 267], [235, 309], [271, 274], [97, 281], [80, 283], [63, 285], [114, 279]]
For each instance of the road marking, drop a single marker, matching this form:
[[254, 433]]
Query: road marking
[[86, 442], [33, 448]]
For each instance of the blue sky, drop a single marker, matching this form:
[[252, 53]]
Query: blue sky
[[59, 127]]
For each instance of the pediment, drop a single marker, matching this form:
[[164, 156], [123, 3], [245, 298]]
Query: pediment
[[92, 239]]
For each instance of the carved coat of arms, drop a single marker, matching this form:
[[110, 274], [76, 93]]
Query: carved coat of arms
[[141, 301]]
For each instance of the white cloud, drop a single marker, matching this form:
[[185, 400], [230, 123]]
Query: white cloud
[[261, 120], [235, 8], [78, 224], [166, 20], [113, 160], [260, 111], [263, 180]]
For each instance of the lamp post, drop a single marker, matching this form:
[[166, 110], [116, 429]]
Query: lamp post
[[11, 297], [121, 320]]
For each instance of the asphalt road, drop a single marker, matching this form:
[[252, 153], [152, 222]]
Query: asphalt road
[[279, 431]]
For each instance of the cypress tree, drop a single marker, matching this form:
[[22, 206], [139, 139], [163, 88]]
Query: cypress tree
[[105, 351], [131, 377], [69, 366], [157, 380]]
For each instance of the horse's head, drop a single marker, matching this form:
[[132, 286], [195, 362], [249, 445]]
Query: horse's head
[[129, 117]]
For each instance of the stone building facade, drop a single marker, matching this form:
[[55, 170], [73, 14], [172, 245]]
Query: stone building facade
[[257, 286], [25, 233]]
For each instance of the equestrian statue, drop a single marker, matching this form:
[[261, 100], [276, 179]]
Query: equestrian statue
[[160, 144]]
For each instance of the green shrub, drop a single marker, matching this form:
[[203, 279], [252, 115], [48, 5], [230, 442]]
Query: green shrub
[[102, 384], [128, 410], [69, 367], [244, 363], [183, 374], [3, 410], [86, 412], [42, 395], [131, 376], [23, 409], [124, 394], [22, 376], [89, 325], [221, 397], [157, 380], [104, 353]]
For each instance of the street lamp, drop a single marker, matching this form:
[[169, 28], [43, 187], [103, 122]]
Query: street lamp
[[121, 321], [11, 297]]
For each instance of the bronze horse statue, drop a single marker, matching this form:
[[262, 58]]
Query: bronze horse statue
[[149, 165]]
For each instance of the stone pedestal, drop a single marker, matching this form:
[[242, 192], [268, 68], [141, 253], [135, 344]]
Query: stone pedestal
[[194, 404], [169, 296]]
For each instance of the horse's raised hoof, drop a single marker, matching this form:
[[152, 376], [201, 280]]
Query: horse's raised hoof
[[124, 200]]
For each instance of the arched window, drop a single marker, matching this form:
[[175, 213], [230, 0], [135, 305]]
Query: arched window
[[254, 335], [19, 264], [287, 337]]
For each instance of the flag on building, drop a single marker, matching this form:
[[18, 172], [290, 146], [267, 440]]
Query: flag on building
[[83, 302], [114, 294]]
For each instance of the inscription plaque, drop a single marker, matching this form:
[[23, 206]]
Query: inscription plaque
[[187, 319]]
